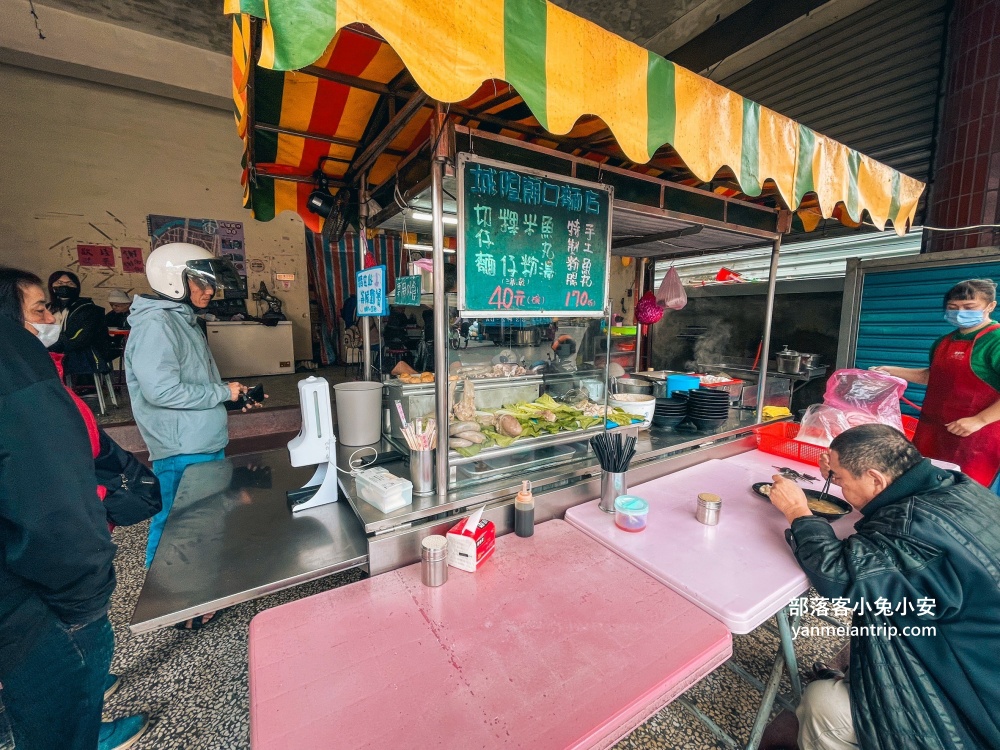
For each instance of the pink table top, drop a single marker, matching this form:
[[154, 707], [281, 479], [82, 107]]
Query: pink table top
[[741, 571], [556, 642]]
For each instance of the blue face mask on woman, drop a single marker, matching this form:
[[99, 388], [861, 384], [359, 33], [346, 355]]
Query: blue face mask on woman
[[964, 318]]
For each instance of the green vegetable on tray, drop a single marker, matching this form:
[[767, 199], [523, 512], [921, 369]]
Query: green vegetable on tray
[[544, 416]]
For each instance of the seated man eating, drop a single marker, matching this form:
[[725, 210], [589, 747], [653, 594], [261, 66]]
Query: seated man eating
[[927, 535]]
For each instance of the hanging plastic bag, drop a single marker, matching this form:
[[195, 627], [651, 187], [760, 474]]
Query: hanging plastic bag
[[671, 293], [821, 424], [866, 397]]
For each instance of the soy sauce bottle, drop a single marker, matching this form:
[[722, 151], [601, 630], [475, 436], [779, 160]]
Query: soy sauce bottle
[[524, 511]]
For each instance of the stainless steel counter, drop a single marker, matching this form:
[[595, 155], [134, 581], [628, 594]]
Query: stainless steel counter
[[653, 444], [230, 538]]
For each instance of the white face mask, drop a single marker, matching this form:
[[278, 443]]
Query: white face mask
[[48, 333]]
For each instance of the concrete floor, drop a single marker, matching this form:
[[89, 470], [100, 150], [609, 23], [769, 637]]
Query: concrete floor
[[195, 683]]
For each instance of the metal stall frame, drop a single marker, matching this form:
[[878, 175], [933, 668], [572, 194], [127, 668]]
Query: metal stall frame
[[854, 284], [443, 159]]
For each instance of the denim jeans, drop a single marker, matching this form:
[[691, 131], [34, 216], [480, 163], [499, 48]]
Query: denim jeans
[[53, 698], [169, 471]]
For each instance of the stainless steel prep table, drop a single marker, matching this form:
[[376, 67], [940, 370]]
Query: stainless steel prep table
[[228, 541], [230, 538]]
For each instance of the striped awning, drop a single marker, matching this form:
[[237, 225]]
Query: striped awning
[[530, 70]]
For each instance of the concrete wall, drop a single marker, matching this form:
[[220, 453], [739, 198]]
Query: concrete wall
[[806, 318], [86, 162]]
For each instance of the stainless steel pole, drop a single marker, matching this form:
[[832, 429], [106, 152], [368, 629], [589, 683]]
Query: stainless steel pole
[[640, 289], [362, 245], [442, 407], [765, 347]]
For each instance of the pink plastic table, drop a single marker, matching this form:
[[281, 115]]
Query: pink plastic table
[[555, 643], [740, 571]]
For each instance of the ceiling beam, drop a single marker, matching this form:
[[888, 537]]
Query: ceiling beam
[[353, 81], [262, 172], [749, 24], [649, 238], [336, 140], [699, 19], [380, 143], [786, 36]]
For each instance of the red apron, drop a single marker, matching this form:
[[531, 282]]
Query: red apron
[[954, 391]]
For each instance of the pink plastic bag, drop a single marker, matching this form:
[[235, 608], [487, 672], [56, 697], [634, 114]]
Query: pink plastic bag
[[866, 397], [821, 424], [671, 292]]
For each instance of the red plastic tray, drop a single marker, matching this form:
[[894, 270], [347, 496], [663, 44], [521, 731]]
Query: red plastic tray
[[779, 440]]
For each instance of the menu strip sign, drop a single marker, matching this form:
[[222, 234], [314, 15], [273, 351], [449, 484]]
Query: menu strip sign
[[531, 243]]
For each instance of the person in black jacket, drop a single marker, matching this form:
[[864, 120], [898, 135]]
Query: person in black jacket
[[922, 576], [84, 340], [56, 574]]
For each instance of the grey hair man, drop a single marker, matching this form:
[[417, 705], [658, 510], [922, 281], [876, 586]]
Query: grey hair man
[[922, 574]]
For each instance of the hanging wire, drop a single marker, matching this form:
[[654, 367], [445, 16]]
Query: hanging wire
[[34, 16]]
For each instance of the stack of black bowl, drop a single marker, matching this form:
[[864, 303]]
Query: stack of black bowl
[[708, 408], [670, 412]]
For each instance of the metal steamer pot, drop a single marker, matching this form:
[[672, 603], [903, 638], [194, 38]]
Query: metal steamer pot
[[640, 385], [788, 362], [525, 337], [808, 360]]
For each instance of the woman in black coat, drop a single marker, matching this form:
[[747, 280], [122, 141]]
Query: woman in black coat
[[84, 338]]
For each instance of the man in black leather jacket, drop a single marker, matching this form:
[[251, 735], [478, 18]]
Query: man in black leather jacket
[[56, 575], [926, 555]]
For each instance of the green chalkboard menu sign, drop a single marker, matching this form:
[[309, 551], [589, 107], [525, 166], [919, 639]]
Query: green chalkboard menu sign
[[530, 243]]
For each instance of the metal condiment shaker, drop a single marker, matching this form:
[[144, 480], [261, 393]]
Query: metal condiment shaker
[[434, 560], [709, 507]]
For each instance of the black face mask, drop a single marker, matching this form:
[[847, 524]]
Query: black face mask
[[65, 293]]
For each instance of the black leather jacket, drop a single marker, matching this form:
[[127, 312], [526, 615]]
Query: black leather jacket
[[932, 534]]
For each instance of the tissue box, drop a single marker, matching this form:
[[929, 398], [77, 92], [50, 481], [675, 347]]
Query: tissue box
[[468, 550], [384, 490]]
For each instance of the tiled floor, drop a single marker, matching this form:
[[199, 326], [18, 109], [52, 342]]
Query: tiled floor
[[195, 684]]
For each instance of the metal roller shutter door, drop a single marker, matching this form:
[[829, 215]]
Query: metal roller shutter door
[[901, 315]]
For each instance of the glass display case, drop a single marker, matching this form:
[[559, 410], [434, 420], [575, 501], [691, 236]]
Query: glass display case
[[524, 393]]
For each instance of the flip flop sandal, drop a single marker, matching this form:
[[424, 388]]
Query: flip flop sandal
[[197, 623]]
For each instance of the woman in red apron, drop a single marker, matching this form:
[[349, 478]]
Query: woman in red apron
[[960, 420]]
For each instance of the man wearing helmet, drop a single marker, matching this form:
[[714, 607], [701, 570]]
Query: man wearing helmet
[[178, 397]]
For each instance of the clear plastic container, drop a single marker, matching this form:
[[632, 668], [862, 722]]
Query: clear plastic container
[[631, 513], [384, 490]]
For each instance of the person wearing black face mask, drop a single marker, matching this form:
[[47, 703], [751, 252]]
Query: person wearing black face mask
[[84, 338]]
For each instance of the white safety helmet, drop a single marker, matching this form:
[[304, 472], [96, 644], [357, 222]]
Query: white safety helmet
[[170, 266]]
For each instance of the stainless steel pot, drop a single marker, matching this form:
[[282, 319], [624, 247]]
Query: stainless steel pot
[[808, 360], [788, 362], [632, 385], [525, 337], [659, 385]]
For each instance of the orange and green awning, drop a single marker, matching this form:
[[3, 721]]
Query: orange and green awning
[[568, 76]]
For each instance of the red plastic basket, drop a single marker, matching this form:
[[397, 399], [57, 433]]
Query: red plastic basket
[[779, 440]]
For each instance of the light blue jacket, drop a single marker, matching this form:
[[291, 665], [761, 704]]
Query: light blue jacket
[[176, 391]]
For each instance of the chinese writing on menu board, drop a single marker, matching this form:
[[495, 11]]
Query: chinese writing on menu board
[[372, 302], [533, 242], [408, 290]]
